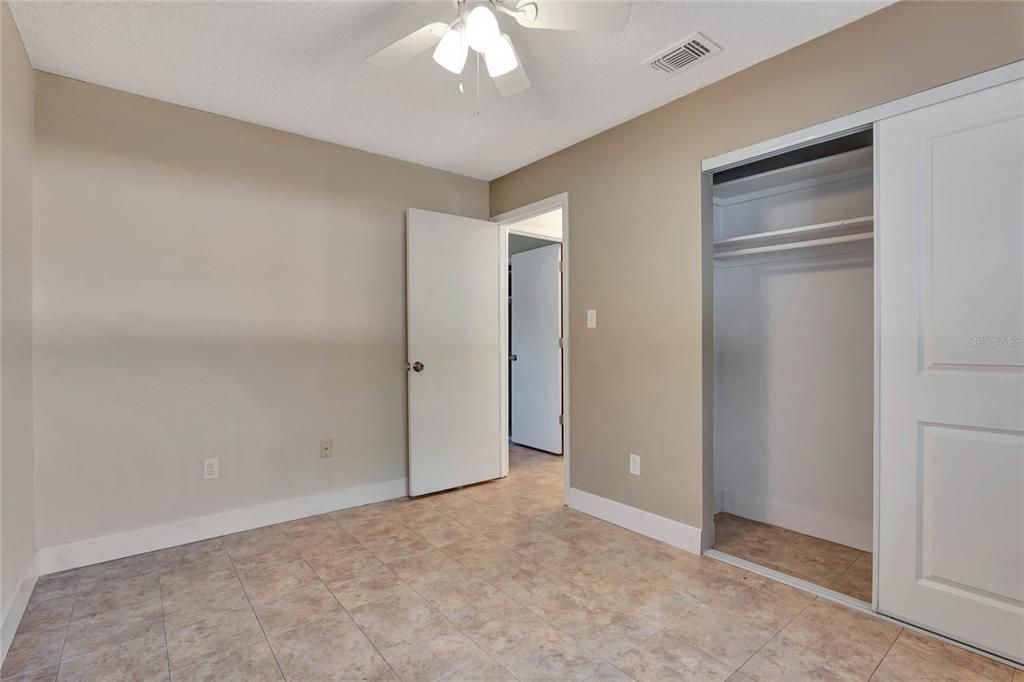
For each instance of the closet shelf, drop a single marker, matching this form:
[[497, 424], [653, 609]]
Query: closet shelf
[[822, 234]]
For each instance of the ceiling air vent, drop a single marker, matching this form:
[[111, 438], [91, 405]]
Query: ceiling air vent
[[686, 52]]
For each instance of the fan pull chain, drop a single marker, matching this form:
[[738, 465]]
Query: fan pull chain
[[478, 107]]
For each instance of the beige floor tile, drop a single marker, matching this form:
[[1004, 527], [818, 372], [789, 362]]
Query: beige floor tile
[[280, 579], [783, 661], [609, 673], [348, 564], [33, 651], [663, 657], [825, 563], [54, 585], [547, 654], [212, 636], [431, 652], [323, 538], [209, 553], [48, 674], [516, 536], [443, 534], [916, 657], [46, 615], [195, 578], [397, 546], [253, 541], [293, 609], [481, 669], [377, 528], [369, 588], [390, 618], [321, 649], [738, 677], [841, 635], [185, 607], [112, 628], [588, 540], [454, 596], [136, 660], [98, 576], [554, 553], [426, 567], [495, 628], [580, 598], [719, 634], [856, 580], [117, 595], [255, 663], [608, 636], [696, 577], [264, 559], [761, 604]]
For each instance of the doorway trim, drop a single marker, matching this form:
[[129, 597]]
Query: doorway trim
[[504, 220]]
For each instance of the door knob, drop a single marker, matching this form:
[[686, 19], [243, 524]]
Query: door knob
[[514, 357], [417, 366]]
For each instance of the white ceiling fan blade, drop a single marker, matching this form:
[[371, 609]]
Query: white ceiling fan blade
[[601, 16], [408, 47], [513, 82]]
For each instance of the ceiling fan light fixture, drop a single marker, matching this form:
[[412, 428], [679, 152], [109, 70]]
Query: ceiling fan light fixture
[[452, 50], [500, 56], [481, 28]]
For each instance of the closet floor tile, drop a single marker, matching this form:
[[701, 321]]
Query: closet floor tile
[[828, 564]]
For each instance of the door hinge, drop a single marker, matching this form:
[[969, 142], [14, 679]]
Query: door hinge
[[561, 268], [560, 421], [561, 342]]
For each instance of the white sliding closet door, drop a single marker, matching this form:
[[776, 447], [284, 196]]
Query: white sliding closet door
[[951, 259]]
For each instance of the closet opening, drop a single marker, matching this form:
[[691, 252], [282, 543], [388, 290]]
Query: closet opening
[[793, 340]]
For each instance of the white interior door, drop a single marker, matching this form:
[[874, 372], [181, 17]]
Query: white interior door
[[454, 296], [536, 351], [951, 451]]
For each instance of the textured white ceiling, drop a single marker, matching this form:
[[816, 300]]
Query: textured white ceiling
[[299, 67]]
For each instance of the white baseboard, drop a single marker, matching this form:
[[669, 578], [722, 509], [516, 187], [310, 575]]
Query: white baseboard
[[117, 545], [671, 532], [12, 618], [801, 519]]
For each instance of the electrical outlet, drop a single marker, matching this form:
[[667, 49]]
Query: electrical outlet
[[211, 468], [634, 464], [327, 447]]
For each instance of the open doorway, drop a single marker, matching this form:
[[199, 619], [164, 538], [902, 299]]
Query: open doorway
[[535, 340], [536, 392]]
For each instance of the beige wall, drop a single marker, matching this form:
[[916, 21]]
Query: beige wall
[[634, 197], [211, 288], [16, 490]]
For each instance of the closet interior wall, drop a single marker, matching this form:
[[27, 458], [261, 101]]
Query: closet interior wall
[[794, 339]]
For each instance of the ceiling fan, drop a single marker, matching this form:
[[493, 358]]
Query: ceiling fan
[[476, 26]]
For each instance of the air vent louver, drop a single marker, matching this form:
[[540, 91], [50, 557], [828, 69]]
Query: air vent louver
[[687, 51]]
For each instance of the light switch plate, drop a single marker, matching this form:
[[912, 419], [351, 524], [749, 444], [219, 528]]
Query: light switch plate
[[327, 447], [591, 319], [634, 464]]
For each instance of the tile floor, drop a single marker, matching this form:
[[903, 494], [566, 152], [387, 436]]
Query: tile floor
[[493, 582], [818, 561]]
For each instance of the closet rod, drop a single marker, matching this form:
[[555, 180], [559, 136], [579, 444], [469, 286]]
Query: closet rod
[[796, 245]]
